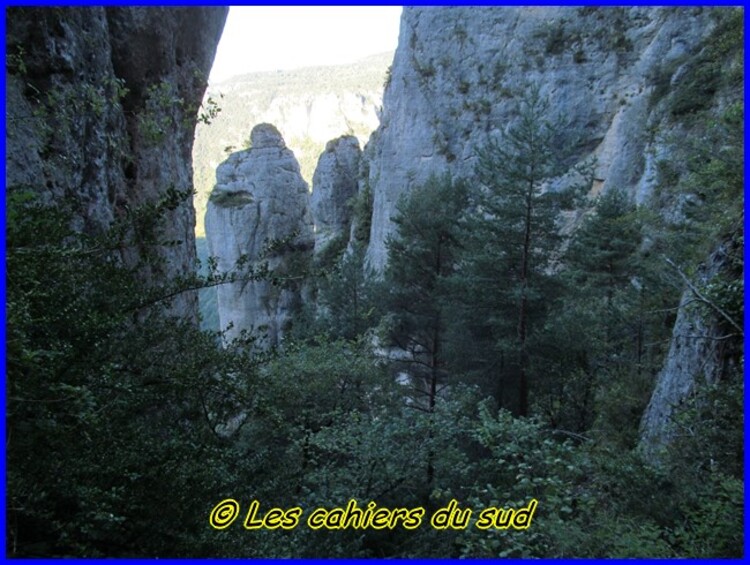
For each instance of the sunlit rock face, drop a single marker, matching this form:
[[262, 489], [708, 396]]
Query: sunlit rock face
[[259, 197], [609, 76], [334, 187], [458, 73], [101, 105]]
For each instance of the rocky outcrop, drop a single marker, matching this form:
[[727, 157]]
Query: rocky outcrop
[[309, 106], [101, 105], [458, 72], [702, 350], [260, 198], [334, 186]]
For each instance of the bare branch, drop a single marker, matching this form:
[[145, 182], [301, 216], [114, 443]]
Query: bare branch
[[701, 297]]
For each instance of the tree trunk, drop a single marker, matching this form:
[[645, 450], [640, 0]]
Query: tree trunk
[[523, 384]]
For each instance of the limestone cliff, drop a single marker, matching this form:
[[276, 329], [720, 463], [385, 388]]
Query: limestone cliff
[[457, 74], [259, 198], [101, 106], [623, 81]]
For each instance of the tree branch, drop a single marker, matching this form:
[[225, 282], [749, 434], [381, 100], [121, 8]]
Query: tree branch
[[702, 298]]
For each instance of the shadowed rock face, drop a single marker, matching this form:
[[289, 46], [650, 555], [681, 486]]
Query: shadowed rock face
[[259, 197], [102, 105], [334, 186], [699, 353]]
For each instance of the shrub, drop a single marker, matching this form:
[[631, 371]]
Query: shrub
[[231, 198]]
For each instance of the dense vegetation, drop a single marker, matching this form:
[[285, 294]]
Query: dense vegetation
[[491, 365]]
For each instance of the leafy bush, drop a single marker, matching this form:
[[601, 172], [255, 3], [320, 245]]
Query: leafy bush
[[113, 406]]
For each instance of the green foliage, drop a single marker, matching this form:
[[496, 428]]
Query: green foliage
[[708, 195], [422, 255], [715, 174], [556, 41], [725, 291], [107, 397], [697, 85], [156, 119], [362, 215], [425, 71], [209, 111], [717, 65], [347, 298], [330, 419], [661, 80], [388, 77], [593, 502], [511, 233], [616, 34], [381, 455], [621, 398], [667, 174], [620, 42], [15, 62], [231, 199], [115, 409], [333, 252], [605, 329], [582, 507], [709, 432], [603, 249], [713, 522], [706, 459]]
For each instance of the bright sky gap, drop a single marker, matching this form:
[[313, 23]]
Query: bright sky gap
[[271, 38]]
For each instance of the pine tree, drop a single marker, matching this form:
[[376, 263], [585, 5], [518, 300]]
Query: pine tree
[[603, 250], [602, 265], [421, 257], [348, 297], [514, 234], [597, 326]]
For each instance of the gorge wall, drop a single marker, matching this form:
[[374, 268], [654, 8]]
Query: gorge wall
[[620, 80], [703, 351], [457, 74], [101, 106], [623, 81]]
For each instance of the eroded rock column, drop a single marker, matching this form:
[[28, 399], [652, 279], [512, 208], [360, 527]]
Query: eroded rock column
[[259, 209]]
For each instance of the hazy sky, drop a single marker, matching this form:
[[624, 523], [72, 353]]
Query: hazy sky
[[261, 38]]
